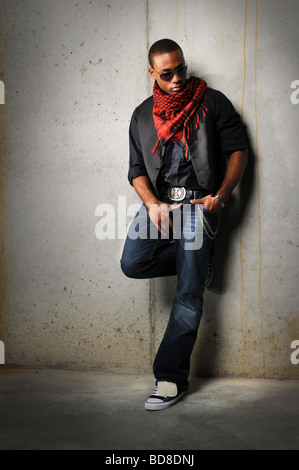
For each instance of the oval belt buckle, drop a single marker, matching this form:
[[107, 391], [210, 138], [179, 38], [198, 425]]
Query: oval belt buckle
[[176, 194]]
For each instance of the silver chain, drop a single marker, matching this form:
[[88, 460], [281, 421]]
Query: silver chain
[[211, 233]]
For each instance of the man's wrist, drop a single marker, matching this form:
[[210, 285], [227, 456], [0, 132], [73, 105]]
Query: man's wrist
[[151, 201], [221, 201]]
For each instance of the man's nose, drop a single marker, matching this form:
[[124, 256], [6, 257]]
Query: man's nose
[[176, 78]]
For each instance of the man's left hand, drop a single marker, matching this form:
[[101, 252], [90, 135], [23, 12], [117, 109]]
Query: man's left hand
[[210, 203]]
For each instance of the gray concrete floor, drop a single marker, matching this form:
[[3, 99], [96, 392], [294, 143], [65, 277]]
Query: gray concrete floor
[[43, 410]]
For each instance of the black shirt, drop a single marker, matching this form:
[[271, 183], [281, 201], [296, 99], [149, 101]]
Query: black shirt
[[176, 169]]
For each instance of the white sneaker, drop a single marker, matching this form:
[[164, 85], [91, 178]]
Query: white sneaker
[[165, 395]]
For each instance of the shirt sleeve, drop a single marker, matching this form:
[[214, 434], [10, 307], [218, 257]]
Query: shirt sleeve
[[136, 162], [229, 125]]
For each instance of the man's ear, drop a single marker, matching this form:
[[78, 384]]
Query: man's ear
[[152, 73]]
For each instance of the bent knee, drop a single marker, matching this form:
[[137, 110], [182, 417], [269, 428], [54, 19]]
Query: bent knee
[[128, 268]]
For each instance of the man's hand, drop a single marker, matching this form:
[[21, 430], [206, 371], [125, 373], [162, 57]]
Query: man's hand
[[209, 202], [160, 217], [158, 211], [234, 172]]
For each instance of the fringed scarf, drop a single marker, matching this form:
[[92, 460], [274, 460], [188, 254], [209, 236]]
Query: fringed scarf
[[174, 114]]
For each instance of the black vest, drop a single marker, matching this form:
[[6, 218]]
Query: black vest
[[204, 148]]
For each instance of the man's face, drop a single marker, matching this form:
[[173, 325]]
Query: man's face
[[166, 63]]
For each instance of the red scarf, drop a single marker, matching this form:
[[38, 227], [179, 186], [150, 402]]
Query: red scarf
[[174, 114]]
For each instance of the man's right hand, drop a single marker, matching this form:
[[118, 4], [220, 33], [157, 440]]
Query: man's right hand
[[158, 211], [160, 217]]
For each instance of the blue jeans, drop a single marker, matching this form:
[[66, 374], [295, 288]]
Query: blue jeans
[[149, 257]]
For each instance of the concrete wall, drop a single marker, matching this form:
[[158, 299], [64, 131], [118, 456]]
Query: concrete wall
[[73, 73]]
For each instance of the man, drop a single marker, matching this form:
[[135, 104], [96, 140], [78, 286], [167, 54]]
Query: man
[[178, 139]]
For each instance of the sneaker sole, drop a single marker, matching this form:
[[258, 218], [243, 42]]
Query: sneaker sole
[[163, 406]]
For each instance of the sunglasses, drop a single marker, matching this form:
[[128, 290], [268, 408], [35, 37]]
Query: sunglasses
[[167, 76]]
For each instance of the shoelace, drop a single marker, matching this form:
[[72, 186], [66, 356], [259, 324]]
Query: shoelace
[[155, 392]]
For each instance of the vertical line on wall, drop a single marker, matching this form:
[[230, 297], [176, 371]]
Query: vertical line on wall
[[187, 37], [147, 42], [152, 317], [245, 63], [176, 19], [2, 182], [242, 295], [258, 191], [147, 23], [152, 321], [193, 25]]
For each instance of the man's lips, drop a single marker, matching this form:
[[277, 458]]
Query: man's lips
[[177, 88]]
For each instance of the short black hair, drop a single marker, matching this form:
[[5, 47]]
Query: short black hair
[[161, 47]]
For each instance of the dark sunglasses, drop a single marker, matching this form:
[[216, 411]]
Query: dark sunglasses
[[167, 76]]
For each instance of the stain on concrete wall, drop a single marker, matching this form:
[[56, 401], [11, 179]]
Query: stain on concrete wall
[[73, 74]]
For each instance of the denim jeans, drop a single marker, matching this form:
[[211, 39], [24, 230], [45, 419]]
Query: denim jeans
[[150, 257]]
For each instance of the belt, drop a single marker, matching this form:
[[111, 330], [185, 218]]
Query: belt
[[179, 194]]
